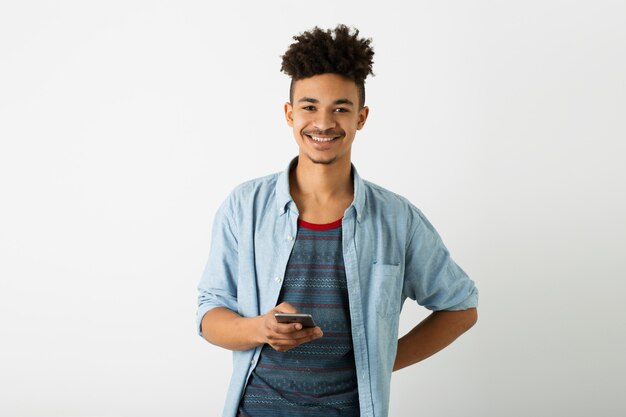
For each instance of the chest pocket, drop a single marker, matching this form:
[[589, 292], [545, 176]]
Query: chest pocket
[[387, 282]]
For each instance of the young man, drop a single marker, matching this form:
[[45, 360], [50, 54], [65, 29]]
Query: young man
[[318, 239]]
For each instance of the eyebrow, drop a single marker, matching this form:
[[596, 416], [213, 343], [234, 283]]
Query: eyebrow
[[336, 102]]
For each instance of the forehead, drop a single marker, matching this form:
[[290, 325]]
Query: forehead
[[326, 87]]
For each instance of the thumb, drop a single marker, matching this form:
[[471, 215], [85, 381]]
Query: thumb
[[285, 308]]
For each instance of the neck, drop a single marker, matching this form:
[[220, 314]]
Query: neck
[[321, 182]]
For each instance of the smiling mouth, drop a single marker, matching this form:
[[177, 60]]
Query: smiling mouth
[[322, 139]]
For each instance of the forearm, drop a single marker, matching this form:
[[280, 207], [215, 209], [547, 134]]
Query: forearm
[[225, 328], [432, 335]]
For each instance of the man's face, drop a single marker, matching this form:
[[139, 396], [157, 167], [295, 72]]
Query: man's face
[[325, 116]]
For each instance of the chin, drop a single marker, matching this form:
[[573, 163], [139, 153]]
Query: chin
[[322, 161]]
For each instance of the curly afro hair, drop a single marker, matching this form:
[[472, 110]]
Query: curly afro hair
[[338, 51]]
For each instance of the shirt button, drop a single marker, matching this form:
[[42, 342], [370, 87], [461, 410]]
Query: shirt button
[[290, 238], [252, 362], [277, 279]]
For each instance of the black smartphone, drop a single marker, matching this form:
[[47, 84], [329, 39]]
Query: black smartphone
[[305, 319]]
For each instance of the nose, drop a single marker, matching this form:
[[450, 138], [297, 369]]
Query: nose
[[324, 120]]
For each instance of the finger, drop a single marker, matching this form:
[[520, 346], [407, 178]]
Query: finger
[[285, 307], [286, 328], [308, 334], [283, 345], [301, 336]]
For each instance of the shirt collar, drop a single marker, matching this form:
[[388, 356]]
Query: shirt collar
[[283, 196]]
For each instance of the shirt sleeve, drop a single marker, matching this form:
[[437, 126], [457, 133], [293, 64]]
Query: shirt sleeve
[[218, 283], [432, 278]]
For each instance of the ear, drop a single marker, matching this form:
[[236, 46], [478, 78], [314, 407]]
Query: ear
[[289, 113], [362, 117]]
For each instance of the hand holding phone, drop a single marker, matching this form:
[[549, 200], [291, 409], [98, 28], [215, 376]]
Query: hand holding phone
[[283, 328]]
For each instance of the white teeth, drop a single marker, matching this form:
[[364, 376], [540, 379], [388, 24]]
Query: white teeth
[[318, 139]]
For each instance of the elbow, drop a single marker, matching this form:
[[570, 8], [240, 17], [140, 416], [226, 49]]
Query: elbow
[[464, 320], [471, 318], [206, 328]]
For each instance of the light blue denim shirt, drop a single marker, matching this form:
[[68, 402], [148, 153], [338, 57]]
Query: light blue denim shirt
[[391, 253]]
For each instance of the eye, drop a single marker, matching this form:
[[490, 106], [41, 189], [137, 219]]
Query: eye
[[341, 110], [308, 108]]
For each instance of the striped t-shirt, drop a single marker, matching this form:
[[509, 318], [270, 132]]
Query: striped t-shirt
[[317, 378]]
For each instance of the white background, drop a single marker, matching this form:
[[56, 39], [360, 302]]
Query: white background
[[124, 124]]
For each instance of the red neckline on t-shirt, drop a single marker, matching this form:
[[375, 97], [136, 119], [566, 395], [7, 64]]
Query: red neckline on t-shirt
[[316, 226]]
